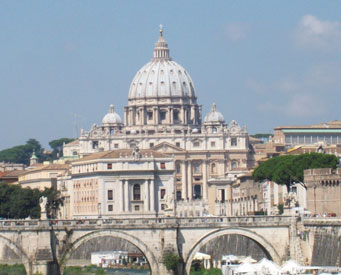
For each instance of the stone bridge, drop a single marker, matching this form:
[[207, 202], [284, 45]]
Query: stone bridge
[[46, 246]]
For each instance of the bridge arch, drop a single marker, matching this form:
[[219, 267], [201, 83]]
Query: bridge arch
[[17, 250], [229, 231], [113, 233]]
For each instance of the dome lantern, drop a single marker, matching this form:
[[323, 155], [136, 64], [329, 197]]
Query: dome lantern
[[161, 50]]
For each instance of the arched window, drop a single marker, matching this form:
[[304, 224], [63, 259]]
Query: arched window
[[137, 192], [214, 130], [234, 164]]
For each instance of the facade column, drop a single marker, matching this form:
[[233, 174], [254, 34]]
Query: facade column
[[184, 180], [204, 179], [170, 111], [155, 116], [121, 192], [189, 180], [126, 195], [126, 116], [146, 195], [183, 115], [152, 196]]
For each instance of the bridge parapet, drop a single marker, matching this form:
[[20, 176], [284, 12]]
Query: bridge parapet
[[322, 221], [150, 222]]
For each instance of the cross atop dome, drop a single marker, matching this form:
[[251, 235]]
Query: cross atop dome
[[161, 50], [161, 30]]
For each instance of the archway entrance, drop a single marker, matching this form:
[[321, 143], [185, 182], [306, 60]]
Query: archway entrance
[[110, 250], [240, 241], [12, 254]]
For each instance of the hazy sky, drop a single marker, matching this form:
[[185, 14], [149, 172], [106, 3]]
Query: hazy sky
[[265, 63]]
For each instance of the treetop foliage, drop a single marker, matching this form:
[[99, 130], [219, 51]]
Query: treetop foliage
[[23, 153], [289, 169], [19, 203]]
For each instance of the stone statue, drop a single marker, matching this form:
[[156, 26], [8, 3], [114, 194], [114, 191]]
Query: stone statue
[[43, 203], [169, 202], [136, 153]]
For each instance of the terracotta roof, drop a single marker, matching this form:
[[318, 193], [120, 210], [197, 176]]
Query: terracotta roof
[[120, 153], [51, 166], [13, 174]]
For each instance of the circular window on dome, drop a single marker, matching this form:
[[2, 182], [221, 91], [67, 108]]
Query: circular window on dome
[[179, 72]]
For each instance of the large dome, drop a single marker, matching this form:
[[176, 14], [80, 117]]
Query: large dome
[[161, 77]]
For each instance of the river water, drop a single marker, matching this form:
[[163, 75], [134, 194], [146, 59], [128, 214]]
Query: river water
[[119, 271]]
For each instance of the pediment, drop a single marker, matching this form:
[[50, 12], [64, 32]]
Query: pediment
[[166, 147]]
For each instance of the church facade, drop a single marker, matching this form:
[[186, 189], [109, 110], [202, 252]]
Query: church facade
[[163, 115]]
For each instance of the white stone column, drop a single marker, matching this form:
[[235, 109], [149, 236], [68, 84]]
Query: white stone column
[[121, 196], [170, 111], [126, 195], [152, 196], [146, 195], [189, 180], [204, 179], [184, 180]]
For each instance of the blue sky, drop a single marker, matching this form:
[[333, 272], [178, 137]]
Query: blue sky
[[265, 63]]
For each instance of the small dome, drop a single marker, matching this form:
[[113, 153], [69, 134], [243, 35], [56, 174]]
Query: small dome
[[214, 116], [111, 118]]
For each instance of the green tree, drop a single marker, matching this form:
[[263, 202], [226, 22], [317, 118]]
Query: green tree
[[171, 260], [23, 153], [289, 169], [57, 146], [19, 203], [54, 201]]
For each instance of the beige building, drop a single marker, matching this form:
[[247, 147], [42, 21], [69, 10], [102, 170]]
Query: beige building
[[42, 176], [323, 190], [122, 183], [163, 115]]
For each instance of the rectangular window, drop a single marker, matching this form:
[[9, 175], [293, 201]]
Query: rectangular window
[[162, 193], [196, 144], [132, 145], [95, 144], [109, 165], [178, 195], [151, 145], [163, 206], [110, 195], [196, 167], [177, 144], [178, 168], [212, 144], [137, 208], [150, 115], [163, 165], [222, 195], [116, 145], [233, 141], [197, 191], [110, 208], [162, 115]]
